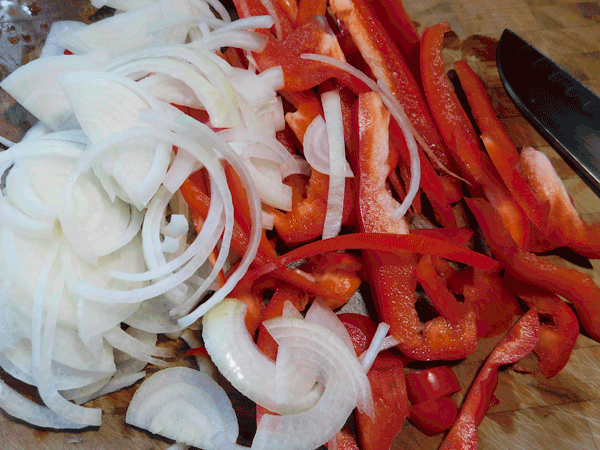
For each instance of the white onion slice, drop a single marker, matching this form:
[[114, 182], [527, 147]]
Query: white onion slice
[[36, 87], [346, 386], [316, 147], [238, 359], [332, 108], [321, 314], [245, 40], [22, 408], [128, 31], [368, 356], [185, 405], [269, 183]]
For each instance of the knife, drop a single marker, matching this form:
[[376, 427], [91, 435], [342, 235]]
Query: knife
[[560, 108]]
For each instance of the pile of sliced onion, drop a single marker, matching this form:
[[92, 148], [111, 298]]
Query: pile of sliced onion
[[98, 252]]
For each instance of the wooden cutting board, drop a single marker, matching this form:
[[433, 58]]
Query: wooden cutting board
[[534, 412]]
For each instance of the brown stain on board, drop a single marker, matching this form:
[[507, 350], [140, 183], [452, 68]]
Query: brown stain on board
[[482, 47], [587, 10]]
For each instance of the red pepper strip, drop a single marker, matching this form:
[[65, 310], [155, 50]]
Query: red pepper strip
[[235, 57], [67, 52], [483, 111], [199, 351], [242, 208], [308, 8], [500, 152], [251, 8], [361, 330], [401, 29], [337, 272], [386, 377], [430, 180], [565, 226], [391, 406], [434, 416], [398, 187], [393, 244], [344, 441], [290, 7], [519, 341], [576, 287], [313, 36], [462, 139], [308, 107], [441, 298], [494, 304], [559, 330], [388, 65], [305, 221], [429, 384], [458, 235], [200, 202]]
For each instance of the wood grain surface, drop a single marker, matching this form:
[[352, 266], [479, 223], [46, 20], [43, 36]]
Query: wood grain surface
[[534, 412]]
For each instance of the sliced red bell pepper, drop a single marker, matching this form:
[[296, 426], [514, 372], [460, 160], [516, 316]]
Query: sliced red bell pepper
[[386, 377], [384, 243], [344, 441], [337, 272], [461, 138], [387, 64], [313, 36], [251, 8], [559, 327], [200, 202], [401, 29], [305, 221], [391, 407], [393, 278], [482, 109], [430, 180], [432, 383], [308, 107], [457, 235], [434, 416], [500, 152], [440, 296], [565, 226], [494, 304], [361, 330], [573, 285], [308, 8], [519, 341]]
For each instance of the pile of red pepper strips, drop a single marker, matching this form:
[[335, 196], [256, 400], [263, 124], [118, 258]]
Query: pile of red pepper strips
[[505, 197]]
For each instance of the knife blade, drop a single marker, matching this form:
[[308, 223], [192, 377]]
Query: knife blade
[[560, 108]]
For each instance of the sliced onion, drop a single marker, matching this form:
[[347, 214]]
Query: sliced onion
[[321, 314], [235, 354], [24, 409], [346, 386], [35, 85], [185, 405], [368, 356], [316, 147], [332, 108], [128, 31], [119, 339], [245, 40], [269, 183]]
